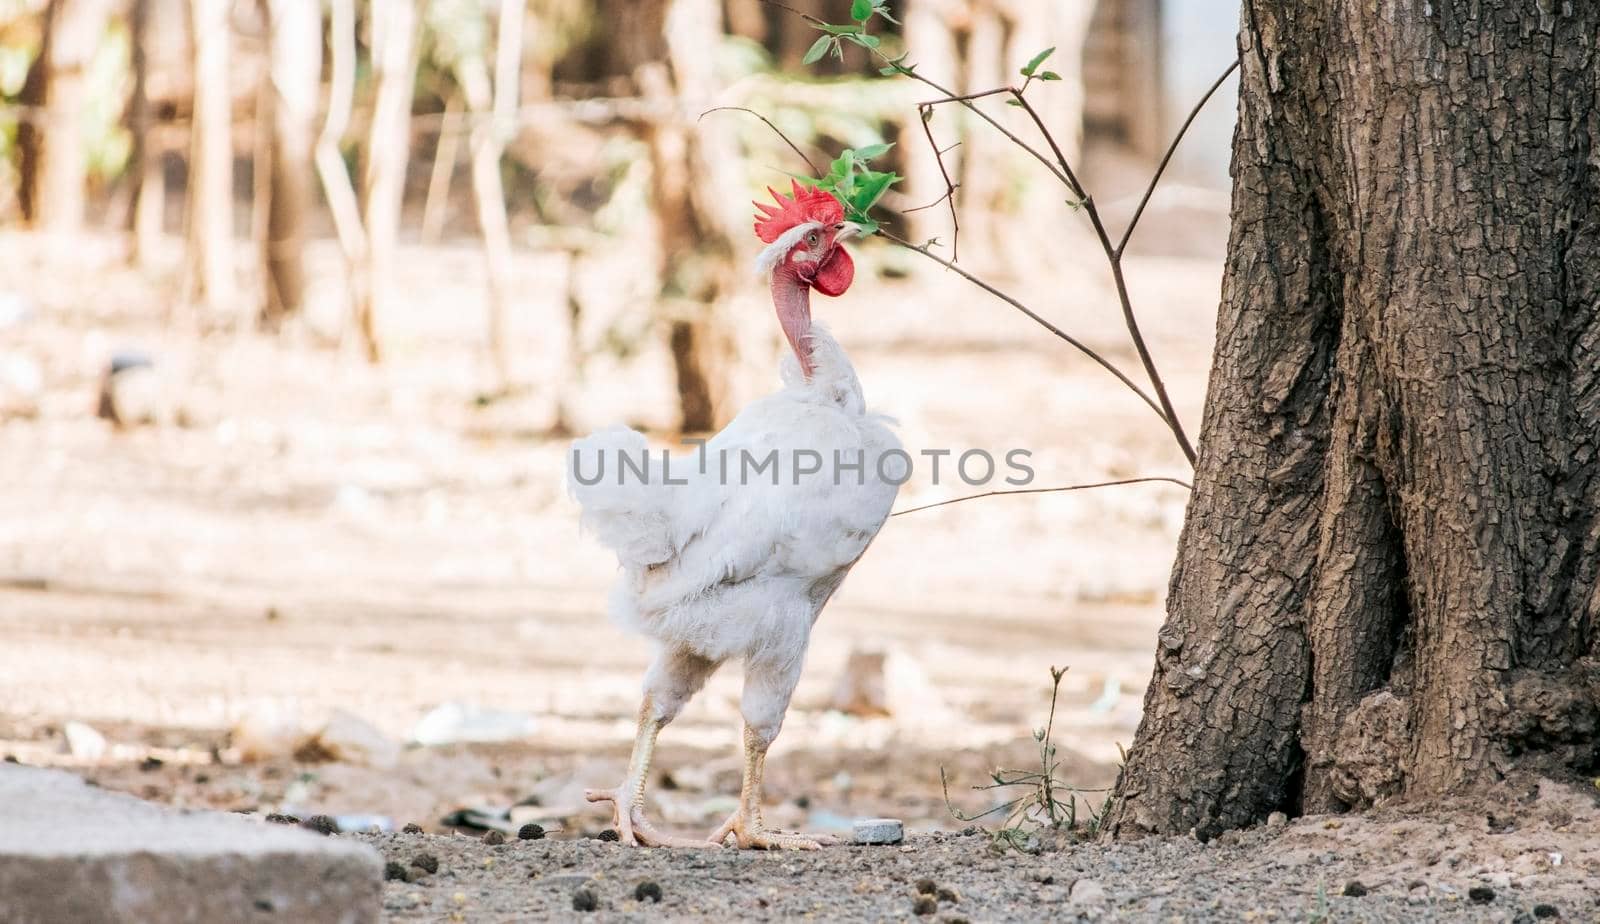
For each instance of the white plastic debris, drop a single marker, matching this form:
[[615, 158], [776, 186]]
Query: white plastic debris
[[879, 831], [83, 741], [449, 723]]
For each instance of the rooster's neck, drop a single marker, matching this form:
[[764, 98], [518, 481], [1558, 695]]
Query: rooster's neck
[[791, 298]]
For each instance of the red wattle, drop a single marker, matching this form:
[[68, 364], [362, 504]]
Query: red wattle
[[835, 274]]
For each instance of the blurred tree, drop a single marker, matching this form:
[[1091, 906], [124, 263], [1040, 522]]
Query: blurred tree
[[1387, 584], [55, 157], [461, 44], [211, 155], [294, 74], [394, 29], [667, 48], [149, 182]]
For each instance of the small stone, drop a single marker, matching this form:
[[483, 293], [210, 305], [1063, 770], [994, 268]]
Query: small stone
[[1546, 911], [393, 872], [879, 831], [412, 828], [924, 904], [151, 764], [530, 832], [584, 899], [1277, 820], [609, 835], [322, 824], [278, 818], [647, 890], [949, 894], [12, 759], [494, 838], [1355, 889], [927, 887], [1481, 894], [1088, 892], [426, 862]]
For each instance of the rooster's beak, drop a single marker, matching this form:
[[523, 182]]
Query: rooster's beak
[[848, 230]]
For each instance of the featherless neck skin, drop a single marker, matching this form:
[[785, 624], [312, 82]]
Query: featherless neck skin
[[791, 296]]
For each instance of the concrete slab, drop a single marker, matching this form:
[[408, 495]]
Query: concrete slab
[[70, 852]]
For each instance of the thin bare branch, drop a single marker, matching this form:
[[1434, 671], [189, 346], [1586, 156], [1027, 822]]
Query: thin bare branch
[[792, 146], [1114, 257], [942, 196], [925, 115], [1172, 148], [1071, 487], [1075, 342], [1068, 177]]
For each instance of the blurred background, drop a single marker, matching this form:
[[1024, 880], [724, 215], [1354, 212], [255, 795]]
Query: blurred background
[[300, 301]]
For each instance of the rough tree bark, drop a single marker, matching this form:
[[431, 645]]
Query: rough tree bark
[[294, 75], [1386, 585]]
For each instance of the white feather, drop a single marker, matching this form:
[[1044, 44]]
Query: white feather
[[773, 254], [729, 569]]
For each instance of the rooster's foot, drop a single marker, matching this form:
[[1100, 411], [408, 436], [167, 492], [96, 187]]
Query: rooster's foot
[[751, 833], [633, 828]]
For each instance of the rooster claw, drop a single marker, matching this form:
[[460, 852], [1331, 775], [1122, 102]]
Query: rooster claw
[[632, 827]]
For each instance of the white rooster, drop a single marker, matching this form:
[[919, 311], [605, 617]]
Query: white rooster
[[732, 553]]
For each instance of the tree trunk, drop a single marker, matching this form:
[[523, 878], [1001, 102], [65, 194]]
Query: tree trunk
[[56, 176], [211, 155], [663, 46], [295, 75], [337, 188], [494, 110], [144, 163], [394, 28], [1386, 586]]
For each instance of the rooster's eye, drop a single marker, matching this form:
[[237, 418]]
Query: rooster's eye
[[811, 239]]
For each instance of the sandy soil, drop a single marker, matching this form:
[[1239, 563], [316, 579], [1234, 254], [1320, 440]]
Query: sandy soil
[[307, 534]]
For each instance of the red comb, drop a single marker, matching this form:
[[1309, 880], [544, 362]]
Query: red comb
[[807, 204]]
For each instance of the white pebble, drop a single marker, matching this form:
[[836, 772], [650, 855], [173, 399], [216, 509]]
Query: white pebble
[[879, 831]]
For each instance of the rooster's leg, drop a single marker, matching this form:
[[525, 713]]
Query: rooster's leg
[[766, 698], [671, 681]]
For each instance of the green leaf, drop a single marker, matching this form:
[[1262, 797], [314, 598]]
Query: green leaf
[[889, 71], [1038, 59], [881, 7], [864, 40], [871, 151], [817, 50], [837, 30], [861, 10], [1014, 102], [871, 189], [1049, 75]]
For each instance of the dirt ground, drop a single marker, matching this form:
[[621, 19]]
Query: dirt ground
[[1541, 860], [303, 534]]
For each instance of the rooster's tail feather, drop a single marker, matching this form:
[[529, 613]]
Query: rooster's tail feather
[[613, 477]]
